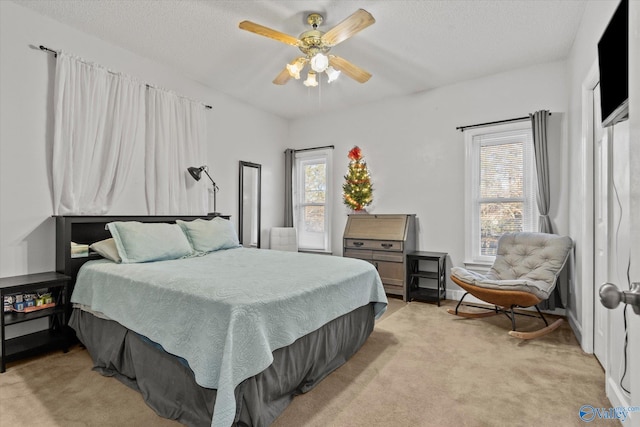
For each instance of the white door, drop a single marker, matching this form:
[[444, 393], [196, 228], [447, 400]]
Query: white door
[[623, 371], [613, 225], [618, 364], [622, 368], [634, 178], [634, 319], [601, 182]]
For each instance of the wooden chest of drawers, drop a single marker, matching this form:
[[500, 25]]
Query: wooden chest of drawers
[[384, 241]]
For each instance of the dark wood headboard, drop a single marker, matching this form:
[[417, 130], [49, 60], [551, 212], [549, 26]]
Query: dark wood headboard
[[90, 229]]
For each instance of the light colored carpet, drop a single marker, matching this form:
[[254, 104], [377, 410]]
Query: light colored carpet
[[420, 367]]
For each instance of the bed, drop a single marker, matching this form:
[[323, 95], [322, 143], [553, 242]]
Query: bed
[[223, 337]]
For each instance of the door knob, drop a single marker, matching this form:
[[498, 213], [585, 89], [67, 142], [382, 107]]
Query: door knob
[[611, 296]]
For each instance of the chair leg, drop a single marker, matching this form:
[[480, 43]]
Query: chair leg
[[457, 312], [540, 332], [510, 313], [460, 302], [513, 320], [540, 313]]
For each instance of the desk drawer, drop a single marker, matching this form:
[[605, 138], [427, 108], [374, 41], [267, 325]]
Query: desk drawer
[[358, 253], [386, 245], [391, 273], [388, 256]]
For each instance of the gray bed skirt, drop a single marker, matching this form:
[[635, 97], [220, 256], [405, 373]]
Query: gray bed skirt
[[168, 385]]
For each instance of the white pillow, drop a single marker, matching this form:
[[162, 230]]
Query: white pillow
[[107, 248], [210, 235], [148, 241]]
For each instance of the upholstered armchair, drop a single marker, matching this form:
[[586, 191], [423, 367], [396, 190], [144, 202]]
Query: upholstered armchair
[[523, 274]]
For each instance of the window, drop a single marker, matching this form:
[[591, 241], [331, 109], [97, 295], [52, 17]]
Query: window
[[500, 187], [312, 195]]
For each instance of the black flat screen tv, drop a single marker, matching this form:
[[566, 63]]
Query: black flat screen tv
[[613, 63]]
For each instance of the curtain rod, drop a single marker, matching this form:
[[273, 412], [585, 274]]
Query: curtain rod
[[49, 50], [55, 53], [517, 119], [314, 148]]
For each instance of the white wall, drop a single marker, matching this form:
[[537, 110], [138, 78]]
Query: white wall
[[236, 132], [416, 155]]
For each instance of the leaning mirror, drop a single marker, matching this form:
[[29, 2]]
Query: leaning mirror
[[249, 208]]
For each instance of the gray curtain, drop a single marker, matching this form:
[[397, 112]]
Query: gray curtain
[[539, 128], [558, 297], [288, 186]]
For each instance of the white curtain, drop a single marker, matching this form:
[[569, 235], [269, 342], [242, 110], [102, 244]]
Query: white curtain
[[98, 120], [175, 139]]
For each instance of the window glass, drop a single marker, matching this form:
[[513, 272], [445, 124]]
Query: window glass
[[497, 219], [311, 195], [315, 182], [501, 168], [500, 187]]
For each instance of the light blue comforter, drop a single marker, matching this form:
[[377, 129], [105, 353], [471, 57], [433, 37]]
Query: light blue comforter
[[226, 312]]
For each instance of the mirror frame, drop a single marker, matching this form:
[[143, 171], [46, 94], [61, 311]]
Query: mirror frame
[[242, 167]]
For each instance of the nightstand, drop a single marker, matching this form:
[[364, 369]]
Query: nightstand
[[56, 336], [433, 273]]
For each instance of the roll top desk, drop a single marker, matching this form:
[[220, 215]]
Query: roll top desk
[[383, 240]]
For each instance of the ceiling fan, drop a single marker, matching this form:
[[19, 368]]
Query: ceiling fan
[[315, 45]]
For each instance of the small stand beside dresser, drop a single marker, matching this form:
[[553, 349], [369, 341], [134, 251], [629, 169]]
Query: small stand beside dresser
[[384, 241], [437, 274]]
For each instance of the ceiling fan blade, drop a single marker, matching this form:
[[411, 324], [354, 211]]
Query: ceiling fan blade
[[283, 77], [268, 32], [358, 21], [353, 71]]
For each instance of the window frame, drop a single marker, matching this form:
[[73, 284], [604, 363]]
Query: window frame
[[323, 156], [509, 133]]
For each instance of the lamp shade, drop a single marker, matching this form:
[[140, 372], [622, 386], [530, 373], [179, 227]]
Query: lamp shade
[[294, 70], [311, 80], [196, 173], [319, 62], [332, 74]]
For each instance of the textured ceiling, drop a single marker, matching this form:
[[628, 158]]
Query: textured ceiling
[[414, 46]]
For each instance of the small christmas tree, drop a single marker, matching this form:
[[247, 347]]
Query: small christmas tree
[[356, 191]]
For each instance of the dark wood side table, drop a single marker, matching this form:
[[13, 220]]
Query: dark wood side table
[[56, 336], [437, 274]]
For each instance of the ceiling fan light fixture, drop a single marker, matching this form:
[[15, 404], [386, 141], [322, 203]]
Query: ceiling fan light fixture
[[315, 46], [319, 62], [294, 70], [311, 80], [332, 74]]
